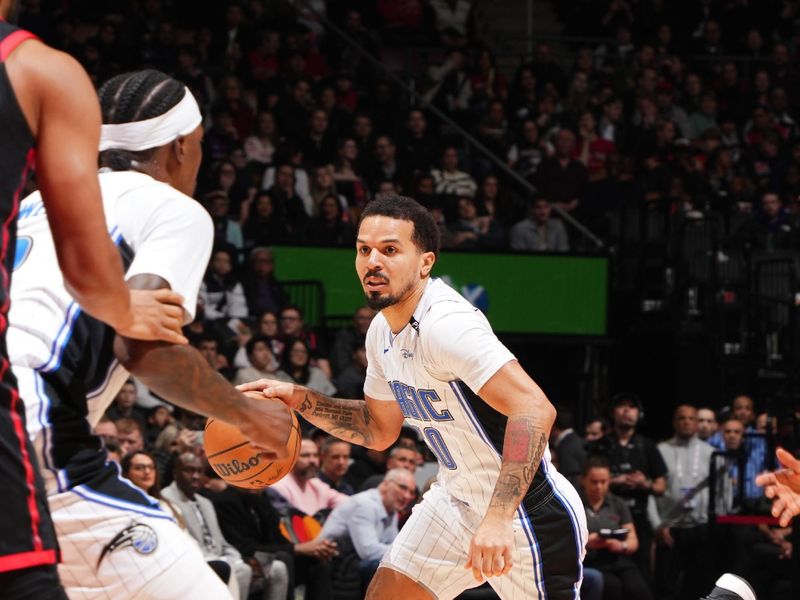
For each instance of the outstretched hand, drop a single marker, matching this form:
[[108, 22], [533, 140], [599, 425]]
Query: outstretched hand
[[783, 487], [271, 388]]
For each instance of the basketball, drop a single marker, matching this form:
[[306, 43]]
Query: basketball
[[233, 458]]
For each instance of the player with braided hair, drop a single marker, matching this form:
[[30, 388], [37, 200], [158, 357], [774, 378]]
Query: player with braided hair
[[115, 540], [49, 120]]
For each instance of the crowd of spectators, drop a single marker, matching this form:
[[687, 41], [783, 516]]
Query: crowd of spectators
[[651, 507], [682, 109], [324, 526]]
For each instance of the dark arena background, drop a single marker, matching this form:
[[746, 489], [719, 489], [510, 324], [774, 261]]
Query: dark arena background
[[617, 186]]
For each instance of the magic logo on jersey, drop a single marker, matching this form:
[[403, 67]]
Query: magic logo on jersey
[[142, 538], [418, 404]]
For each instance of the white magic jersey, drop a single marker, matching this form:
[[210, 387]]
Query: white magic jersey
[[433, 369], [53, 344]]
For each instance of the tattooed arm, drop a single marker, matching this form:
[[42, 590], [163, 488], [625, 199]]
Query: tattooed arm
[[182, 375], [530, 416], [371, 423]]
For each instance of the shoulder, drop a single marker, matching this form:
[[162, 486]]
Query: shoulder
[[376, 327], [45, 66], [140, 193], [320, 485], [172, 493], [705, 447], [47, 79], [520, 226]]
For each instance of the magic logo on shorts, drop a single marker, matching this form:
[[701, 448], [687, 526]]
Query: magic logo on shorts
[[418, 404], [142, 538]]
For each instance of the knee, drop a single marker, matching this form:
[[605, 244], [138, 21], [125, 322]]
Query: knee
[[279, 575], [278, 569]]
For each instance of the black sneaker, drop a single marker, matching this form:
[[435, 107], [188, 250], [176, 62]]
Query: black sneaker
[[731, 587]]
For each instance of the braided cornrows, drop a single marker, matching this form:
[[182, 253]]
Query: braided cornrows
[[134, 97]]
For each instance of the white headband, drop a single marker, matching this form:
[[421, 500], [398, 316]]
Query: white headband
[[181, 119]]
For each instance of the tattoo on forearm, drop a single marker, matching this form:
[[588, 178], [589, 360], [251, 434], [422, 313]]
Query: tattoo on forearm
[[305, 405], [523, 449], [507, 491], [517, 445], [346, 419], [538, 453]]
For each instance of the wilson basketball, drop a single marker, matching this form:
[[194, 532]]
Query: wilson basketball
[[233, 458]]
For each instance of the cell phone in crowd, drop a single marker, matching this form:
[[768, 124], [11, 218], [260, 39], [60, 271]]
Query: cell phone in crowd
[[614, 534]]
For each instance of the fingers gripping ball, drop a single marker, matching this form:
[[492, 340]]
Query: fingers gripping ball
[[233, 458]]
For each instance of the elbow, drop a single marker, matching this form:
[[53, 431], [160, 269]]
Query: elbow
[[380, 442], [548, 412]]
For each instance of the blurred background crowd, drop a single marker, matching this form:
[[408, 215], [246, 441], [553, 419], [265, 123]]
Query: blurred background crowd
[[659, 134]]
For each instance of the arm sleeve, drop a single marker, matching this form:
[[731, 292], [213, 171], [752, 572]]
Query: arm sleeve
[[171, 237], [462, 342], [363, 530]]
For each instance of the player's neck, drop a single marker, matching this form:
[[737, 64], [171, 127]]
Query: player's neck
[[155, 168], [398, 315]]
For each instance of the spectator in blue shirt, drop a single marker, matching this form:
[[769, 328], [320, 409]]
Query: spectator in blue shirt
[[369, 519], [755, 446]]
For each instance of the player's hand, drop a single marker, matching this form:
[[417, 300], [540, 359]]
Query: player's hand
[[283, 391], [490, 549], [154, 315], [266, 424], [783, 487]]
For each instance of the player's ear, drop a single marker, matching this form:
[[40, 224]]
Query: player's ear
[[428, 259], [179, 148]]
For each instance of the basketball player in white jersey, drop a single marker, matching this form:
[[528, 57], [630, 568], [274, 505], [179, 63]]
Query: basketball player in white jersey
[[114, 540], [498, 509]]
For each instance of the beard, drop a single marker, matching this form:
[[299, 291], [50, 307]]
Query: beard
[[377, 302]]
